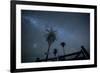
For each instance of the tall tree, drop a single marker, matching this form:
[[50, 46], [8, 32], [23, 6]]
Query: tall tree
[[51, 37], [55, 51], [63, 45]]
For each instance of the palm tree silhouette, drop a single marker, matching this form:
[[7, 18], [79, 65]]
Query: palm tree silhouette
[[55, 51], [51, 37], [63, 45]]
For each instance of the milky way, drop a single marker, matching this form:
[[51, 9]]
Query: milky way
[[71, 28]]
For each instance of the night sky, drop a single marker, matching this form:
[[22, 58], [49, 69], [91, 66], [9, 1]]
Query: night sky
[[71, 28]]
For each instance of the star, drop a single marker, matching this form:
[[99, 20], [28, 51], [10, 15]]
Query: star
[[35, 45]]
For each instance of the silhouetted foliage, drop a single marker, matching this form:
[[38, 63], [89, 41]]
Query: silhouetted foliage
[[82, 54], [55, 51], [51, 37], [63, 44]]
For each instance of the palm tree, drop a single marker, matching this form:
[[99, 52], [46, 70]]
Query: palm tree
[[63, 45], [51, 37], [55, 51]]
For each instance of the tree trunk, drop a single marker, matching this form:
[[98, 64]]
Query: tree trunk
[[48, 52]]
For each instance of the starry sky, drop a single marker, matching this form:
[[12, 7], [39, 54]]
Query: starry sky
[[71, 28]]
